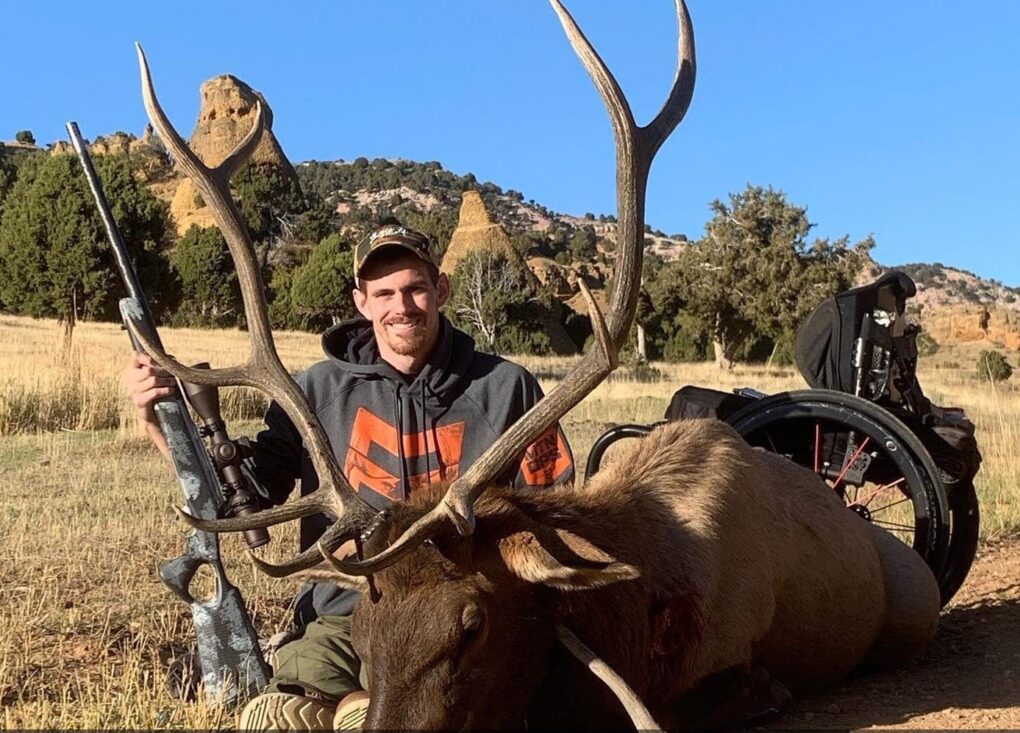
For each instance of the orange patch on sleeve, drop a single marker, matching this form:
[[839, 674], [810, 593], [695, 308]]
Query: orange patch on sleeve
[[546, 459]]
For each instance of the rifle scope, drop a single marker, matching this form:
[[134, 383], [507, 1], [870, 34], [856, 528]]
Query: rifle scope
[[227, 454]]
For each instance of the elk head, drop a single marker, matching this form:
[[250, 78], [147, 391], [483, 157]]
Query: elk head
[[462, 630], [436, 615]]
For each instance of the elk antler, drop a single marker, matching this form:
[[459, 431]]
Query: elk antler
[[635, 150], [639, 715], [263, 369]]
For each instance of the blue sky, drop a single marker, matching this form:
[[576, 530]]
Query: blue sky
[[899, 118]]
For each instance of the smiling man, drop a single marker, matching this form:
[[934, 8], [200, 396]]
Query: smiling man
[[407, 402]]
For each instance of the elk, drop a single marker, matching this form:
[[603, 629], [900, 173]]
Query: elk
[[693, 566]]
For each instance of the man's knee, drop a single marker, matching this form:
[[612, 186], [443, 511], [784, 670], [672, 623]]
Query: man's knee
[[322, 661], [311, 675]]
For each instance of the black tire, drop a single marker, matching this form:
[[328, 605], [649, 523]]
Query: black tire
[[798, 424], [965, 520]]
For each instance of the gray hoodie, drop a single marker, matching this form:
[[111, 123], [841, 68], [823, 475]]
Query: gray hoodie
[[392, 433]]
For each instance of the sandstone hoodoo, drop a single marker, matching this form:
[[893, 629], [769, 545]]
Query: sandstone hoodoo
[[226, 115], [476, 231]]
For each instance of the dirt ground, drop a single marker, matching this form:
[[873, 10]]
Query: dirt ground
[[969, 676]]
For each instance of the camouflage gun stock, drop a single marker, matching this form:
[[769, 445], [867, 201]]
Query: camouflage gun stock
[[233, 667]]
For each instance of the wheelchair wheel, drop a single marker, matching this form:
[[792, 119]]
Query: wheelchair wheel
[[874, 462]]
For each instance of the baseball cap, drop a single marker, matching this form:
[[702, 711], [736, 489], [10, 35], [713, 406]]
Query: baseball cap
[[393, 235]]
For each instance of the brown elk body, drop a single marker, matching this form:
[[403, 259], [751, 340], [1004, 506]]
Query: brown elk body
[[691, 556]]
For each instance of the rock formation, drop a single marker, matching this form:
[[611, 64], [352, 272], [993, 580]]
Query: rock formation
[[226, 116], [477, 231], [962, 324]]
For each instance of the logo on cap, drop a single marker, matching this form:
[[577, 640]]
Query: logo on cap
[[395, 235]]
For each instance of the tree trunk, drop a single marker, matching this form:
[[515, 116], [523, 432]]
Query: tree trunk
[[67, 335], [722, 360], [642, 352], [720, 347], [775, 348]]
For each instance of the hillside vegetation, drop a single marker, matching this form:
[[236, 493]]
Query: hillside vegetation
[[736, 293]]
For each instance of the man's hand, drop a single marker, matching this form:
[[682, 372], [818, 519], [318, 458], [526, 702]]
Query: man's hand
[[145, 382]]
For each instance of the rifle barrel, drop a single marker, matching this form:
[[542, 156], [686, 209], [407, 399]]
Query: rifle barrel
[[120, 252]]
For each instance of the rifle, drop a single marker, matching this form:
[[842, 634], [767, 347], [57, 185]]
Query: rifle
[[233, 667]]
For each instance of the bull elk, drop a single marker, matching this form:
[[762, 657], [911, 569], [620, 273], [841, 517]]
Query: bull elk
[[694, 563]]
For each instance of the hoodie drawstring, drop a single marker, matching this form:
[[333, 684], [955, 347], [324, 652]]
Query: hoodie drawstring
[[399, 420], [425, 433]]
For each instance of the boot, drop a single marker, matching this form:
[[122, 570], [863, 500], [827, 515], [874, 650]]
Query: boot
[[284, 711], [351, 712]]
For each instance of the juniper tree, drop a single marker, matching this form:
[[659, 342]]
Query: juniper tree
[[54, 257]]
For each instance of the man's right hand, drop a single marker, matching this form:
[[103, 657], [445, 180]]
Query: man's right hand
[[146, 382]]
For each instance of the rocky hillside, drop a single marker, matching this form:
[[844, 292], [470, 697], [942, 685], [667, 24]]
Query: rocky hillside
[[428, 187], [952, 305], [956, 306], [226, 115]]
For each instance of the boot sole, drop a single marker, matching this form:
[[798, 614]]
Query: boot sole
[[280, 711]]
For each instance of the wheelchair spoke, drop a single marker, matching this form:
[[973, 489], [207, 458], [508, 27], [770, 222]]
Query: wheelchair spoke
[[887, 506], [854, 457], [894, 525], [868, 498]]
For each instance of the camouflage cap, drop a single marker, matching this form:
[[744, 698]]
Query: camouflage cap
[[395, 235]]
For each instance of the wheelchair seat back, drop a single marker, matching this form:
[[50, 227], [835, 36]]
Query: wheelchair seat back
[[859, 342]]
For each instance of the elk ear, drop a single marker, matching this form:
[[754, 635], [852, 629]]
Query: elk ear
[[561, 559]]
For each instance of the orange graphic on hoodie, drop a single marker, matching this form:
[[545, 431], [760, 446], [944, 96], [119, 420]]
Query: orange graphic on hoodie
[[444, 443]]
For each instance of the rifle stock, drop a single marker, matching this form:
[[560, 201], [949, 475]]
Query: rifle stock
[[233, 667]]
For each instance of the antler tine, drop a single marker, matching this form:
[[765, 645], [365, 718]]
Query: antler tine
[[616, 103], [635, 149], [679, 99], [222, 377], [333, 538], [314, 503], [214, 186], [639, 715], [263, 370], [243, 150], [322, 575], [189, 162]]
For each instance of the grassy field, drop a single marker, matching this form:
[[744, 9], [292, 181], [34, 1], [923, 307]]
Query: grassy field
[[87, 627]]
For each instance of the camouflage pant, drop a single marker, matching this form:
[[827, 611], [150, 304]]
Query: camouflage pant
[[321, 661]]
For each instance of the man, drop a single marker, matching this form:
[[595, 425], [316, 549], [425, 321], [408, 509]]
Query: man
[[406, 401]]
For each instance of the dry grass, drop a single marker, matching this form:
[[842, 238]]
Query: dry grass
[[86, 625]]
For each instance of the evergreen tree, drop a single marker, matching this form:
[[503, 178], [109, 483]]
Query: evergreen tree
[[210, 292], [8, 173], [321, 288], [54, 257], [755, 275], [265, 197], [582, 245], [993, 366]]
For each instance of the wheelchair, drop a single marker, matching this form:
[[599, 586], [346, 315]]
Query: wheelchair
[[865, 426]]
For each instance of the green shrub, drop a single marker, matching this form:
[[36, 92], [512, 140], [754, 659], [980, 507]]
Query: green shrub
[[926, 345], [784, 349], [993, 365]]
